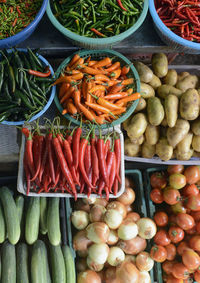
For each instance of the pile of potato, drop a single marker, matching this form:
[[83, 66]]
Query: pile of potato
[[166, 121]]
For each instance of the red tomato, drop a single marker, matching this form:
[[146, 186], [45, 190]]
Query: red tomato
[[191, 259], [172, 279], [171, 196], [158, 180], [194, 243], [198, 227], [193, 202], [156, 195], [158, 253], [177, 181], [172, 220], [197, 277], [190, 190], [176, 234], [180, 271], [167, 266], [171, 251], [191, 231], [172, 169], [161, 218], [185, 221], [182, 247], [178, 208], [195, 215], [192, 174], [162, 238]]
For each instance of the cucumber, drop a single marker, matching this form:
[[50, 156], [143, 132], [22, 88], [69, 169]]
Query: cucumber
[[2, 226], [32, 220], [8, 264], [22, 263], [38, 263], [19, 201], [43, 215], [47, 267], [11, 215], [57, 265], [53, 221], [69, 264], [0, 268]]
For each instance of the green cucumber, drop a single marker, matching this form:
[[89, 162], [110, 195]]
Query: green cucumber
[[57, 265], [11, 215], [22, 263], [2, 226], [8, 264], [0, 268], [69, 264], [19, 201], [43, 215], [38, 263], [47, 267], [53, 221], [32, 220]]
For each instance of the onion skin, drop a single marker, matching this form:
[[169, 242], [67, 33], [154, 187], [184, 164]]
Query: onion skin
[[117, 206], [134, 216], [98, 253], [90, 200], [116, 256], [145, 277], [133, 246], [101, 201], [128, 273], [110, 275], [81, 265], [93, 265], [96, 213], [130, 258], [80, 205], [82, 254], [144, 262], [80, 219], [102, 275], [113, 238], [98, 232], [80, 241], [113, 218], [146, 228], [127, 230], [128, 197], [88, 276], [129, 208]]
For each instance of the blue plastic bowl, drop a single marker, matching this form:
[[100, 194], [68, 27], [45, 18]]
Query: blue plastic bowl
[[169, 37], [51, 97], [26, 32]]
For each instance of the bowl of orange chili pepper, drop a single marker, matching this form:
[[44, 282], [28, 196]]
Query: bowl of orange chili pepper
[[97, 86]]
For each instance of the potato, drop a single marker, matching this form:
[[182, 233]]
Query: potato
[[148, 150], [189, 104], [139, 140], [183, 150], [171, 78], [126, 123], [146, 91], [131, 149], [171, 109], [155, 82], [164, 150], [155, 111], [186, 156], [196, 127], [137, 126], [187, 82], [164, 122], [144, 72], [196, 143], [182, 75], [159, 64], [152, 134], [141, 105], [178, 132], [196, 154], [164, 90]]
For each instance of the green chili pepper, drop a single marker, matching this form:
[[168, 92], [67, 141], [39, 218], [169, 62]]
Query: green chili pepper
[[24, 99]]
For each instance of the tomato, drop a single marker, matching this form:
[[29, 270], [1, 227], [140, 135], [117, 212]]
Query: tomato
[[172, 169], [191, 259], [182, 247], [177, 181], [161, 218], [193, 202], [192, 174], [171, 251], [172, 279], [158, 180], [162, 238], [176, 234], [190, 190], [171, 196], [198, 227], [191, 231], [178, 208], [185, 221], [167, 266], [194, 243], [156, 195], [158, 253], [172, 220], [188, 280], [197, 277], [180, 271], [195, 215]]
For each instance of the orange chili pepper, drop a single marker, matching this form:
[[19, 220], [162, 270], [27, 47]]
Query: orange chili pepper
[[91, 63], [125, 70], [67, 94], [77, 98], [101, 101], [113, 67], [63, 88], [116, 95], [88, 59], [77, 64], [130, 91], [115, 74], [91, 71], [102, 63], [116, 88], [74, 59], [72, 72], [71, 108], [97, 87], [101, 77], [84, 89], [86, 112], [127, 81], [129, 98], [112, 83], [64, 111], [97, 107]]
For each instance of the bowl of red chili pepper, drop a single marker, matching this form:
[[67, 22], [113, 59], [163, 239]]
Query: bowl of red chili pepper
[[177, 23], [18, 20]]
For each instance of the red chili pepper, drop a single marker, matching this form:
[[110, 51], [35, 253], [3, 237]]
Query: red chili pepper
[[117, 149], [18, 11], [60, 138], [51, 156], [38, 158], [29, 154], [26, 132], [28, 176], [76, 146], [95, 161], [115, 187], [57, 175], [87, 159], [112, 174], [97, 32], [102, 160], [82, 187], [120, 5], [40, 74], [100, 187], [107, 147], [44, 159]]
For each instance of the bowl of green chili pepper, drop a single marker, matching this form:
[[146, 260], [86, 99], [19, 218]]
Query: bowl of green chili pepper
[[18, 20], [26, 90], [99, 23]]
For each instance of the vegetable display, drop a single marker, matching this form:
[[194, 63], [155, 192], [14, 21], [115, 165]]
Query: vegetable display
[[97, 18], [99, 90], [25, 85], [166, 120]]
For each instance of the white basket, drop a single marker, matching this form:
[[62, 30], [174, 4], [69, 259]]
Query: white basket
[[21, 182]]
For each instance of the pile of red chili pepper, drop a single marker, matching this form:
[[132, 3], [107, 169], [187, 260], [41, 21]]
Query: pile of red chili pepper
[[182, 17], [74, 162]]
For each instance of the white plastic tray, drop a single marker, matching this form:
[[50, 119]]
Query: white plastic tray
[[21, 182], [194, 70]]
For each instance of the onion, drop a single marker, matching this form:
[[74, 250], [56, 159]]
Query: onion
[[96, 213], [102, 275], [110, 275], [115, 256], [129, 208], [117, 206], [88, 276], [146, 228], [81, 265], [93, 265], [80, 205], [98, 253], [128, 197], [98, 232], [127, 230], [80, 241], [128, 183], [82, 253], [145, 277], [80, 219], [113, 238], [90, 200], [113, 218], [128, 273], [134, 216], [130, 258], [133, 246], [144, 261], [101, 201]]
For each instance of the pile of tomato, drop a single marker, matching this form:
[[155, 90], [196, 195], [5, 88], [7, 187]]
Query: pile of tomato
[[177, 241]]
